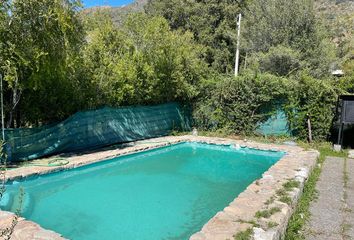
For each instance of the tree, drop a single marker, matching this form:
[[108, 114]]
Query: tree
[[142, 62], [38, 45], [315, 99], [293, 24], [212, 22], [280, 61]]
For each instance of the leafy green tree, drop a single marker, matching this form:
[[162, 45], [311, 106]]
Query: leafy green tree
[[280, 61], [293, 24], [143, 62], [38, 50], [212, 22], [315, 99], [270, 23]]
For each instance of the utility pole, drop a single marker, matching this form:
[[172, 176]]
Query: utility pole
[[238, 44]]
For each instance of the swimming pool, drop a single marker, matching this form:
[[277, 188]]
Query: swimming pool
[[165, 193]]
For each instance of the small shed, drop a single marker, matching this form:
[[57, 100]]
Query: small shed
[[345, 114]]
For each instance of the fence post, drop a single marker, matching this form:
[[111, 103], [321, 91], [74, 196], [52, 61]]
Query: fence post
[[309, 128]]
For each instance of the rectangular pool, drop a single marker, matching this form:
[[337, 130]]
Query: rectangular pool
[[165, 193]]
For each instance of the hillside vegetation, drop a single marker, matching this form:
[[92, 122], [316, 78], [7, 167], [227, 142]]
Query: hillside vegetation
[[57, 58], [117, 13], [338, 17]]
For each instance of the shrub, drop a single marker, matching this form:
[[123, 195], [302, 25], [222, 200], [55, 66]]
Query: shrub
[[315, 99], [239, 105]]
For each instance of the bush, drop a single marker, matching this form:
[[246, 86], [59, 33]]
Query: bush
[[143, 62], [315, 99], [239, 105]]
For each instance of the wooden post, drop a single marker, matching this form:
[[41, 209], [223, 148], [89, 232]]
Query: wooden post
[[309, 128]]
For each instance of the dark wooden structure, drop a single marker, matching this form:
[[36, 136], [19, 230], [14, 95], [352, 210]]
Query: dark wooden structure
[[346, 114]]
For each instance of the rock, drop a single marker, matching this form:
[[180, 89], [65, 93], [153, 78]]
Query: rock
[[337, 147], [351, 153], [260, 234]]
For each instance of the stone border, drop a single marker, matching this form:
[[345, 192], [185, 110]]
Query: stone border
[[25, 230], [259, 197], [263, 210]]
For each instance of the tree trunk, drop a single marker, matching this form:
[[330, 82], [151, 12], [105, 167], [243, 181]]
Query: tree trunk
[[15, 100]]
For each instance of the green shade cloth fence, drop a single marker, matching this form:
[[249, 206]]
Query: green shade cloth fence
[[94, 129], [276, 125]]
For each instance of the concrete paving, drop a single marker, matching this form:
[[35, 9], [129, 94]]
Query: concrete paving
[[332, 214], [350, 198]]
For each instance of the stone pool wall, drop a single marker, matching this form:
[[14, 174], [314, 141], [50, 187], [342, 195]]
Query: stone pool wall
[[263, 209]]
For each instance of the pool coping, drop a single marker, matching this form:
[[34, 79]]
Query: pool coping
[[237, 217]]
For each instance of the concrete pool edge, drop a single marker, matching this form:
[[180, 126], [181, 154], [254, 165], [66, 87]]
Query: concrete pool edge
[[261, 196], [235, 218], [24, 229]]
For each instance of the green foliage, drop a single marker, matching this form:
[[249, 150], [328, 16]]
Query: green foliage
[[347, 64], [338, 19], [245, 235], [239, 104], [293, 24], [142, 62], [55, 64], [272, 224], [271, 23], [346, 83], [289, 185], [39, 45], [212, 23], [281, 37], [280, 61], [315, 99], [56, 61], [283, 193], [267, 213], [285, 199], [117, 14]]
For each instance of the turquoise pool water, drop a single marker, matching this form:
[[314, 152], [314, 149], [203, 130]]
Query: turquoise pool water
[[166, 193]]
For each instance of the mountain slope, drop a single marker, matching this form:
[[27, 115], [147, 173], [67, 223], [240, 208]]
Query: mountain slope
[[118, 13], [338, 16]]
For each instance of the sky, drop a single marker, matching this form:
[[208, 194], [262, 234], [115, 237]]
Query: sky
[[113, 3]]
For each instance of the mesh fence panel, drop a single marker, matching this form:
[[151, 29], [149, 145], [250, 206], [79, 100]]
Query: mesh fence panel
[[276, 124], [94, 129]]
